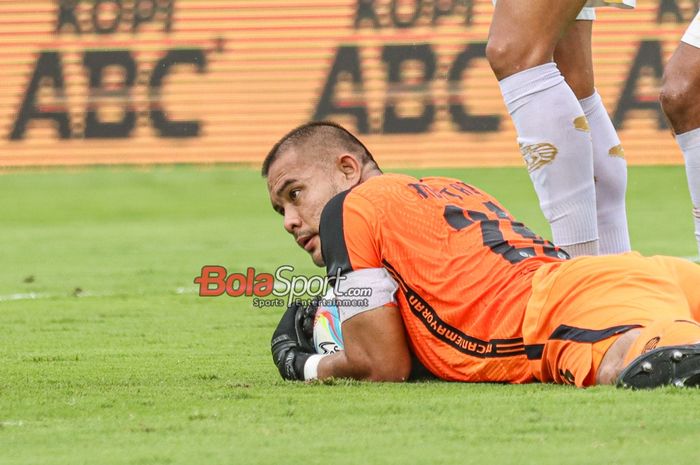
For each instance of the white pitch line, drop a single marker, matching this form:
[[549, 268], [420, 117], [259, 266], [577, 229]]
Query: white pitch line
[[186, 290], [27, 296], [46, 295], [12, 423]]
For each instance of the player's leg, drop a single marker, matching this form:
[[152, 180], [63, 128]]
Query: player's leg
[[680, 100], [686, 274], [553, 134], [591, 316], [666, 350], [659, 344], [681, 82], [573, 56]]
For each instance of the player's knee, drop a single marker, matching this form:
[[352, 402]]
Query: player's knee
[[507, 56], [677, 95], [580, 82]]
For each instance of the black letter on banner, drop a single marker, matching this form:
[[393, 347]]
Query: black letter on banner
[[648, 56], [460, 116], [109, 28], [48, 65], [447, 8], [669, 7], [165, 126], [410, 22], [394, 56], [167, 7], [469, 12], [97, 61], [66, 16], [365, 10], [347, 61], [144, 11], [442, 8]]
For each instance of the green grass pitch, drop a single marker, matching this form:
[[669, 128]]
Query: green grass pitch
[[108, 356]]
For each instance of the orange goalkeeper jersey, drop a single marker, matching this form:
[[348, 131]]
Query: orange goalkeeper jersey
[[462, 263]]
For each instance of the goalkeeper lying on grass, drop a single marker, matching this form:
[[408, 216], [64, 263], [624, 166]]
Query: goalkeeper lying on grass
[[457, 282]]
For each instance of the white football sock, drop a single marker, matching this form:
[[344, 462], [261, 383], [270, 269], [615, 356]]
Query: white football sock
[[689, 143], [610, 172], [555, 141], [577, 250]]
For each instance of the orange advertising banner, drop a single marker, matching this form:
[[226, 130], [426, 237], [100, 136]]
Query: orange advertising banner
[[163, 81]]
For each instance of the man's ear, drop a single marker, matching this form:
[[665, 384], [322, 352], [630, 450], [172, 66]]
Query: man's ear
[[349, 166]]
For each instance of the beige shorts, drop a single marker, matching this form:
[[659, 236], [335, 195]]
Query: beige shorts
[[587, 13], [692, 34]]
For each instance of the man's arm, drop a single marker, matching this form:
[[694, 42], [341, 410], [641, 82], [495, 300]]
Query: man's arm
[[375, 348], [374, 335]]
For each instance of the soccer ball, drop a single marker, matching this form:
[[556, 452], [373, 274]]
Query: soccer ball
[[328, 336]]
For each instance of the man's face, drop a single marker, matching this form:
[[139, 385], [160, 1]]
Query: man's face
[[299, 188]]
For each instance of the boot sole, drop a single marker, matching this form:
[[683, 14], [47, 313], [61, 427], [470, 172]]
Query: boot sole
[[666, 366]]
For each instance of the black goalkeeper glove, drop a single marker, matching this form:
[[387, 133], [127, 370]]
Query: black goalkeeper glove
[[304, 321], [291, 341]]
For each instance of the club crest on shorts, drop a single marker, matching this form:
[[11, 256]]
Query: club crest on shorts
[[538, 155]]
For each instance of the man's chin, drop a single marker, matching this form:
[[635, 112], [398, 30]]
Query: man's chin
[[317, 259]]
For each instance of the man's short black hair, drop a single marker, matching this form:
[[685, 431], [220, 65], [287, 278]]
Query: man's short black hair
[[326, 137]]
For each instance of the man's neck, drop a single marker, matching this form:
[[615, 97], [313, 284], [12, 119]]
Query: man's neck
[[369, 172]]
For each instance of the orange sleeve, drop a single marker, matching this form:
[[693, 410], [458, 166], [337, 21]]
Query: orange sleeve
[[348, 231], [361, 229]]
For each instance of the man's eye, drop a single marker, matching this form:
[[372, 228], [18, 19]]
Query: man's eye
[[294, 194]]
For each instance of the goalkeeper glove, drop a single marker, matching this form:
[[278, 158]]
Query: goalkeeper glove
[[291, 342]]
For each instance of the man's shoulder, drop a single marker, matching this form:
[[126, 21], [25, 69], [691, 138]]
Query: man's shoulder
[[380, 194], [386, 185], [350, 216], [383, 183], [370, 191]]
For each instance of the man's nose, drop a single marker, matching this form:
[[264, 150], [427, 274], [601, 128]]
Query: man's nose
[[291, 220]]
